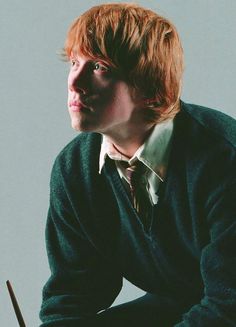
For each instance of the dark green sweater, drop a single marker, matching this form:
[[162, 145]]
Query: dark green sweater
[[185, 261]]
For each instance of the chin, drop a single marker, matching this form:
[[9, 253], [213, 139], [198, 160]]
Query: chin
[[77, 126]]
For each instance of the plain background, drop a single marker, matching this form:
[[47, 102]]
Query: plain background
[[35, 124]]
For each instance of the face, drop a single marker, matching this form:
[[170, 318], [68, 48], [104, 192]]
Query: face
[[99, 100]]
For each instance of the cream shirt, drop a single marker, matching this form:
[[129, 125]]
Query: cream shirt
[[154, 154]]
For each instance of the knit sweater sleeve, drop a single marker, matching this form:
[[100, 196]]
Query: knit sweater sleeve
[[217, 308], [216, 196], [82, 283]]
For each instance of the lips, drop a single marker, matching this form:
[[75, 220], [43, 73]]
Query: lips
[[77, 106]]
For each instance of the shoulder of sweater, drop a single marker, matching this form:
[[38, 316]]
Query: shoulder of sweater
[[83, 148], [217, 123], [81, 142]]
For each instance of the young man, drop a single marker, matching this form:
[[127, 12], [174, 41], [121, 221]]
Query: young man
[[177, 239]]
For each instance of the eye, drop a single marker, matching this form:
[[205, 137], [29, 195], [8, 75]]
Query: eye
[[72, 62], [100, 67]]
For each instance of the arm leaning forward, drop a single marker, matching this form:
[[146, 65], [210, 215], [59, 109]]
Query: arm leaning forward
[[82, 282]]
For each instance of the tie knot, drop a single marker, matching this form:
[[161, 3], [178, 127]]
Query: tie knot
[[135, 173], [136, 176]]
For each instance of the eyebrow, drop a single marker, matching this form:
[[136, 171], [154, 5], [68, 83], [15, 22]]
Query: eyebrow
[[15, 305]]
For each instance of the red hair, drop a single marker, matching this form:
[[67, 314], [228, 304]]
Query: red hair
[[143, 45]]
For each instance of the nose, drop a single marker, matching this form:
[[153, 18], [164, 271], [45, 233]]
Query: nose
[[78, 82]]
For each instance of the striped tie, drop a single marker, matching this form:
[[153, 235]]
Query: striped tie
[[138, 189]]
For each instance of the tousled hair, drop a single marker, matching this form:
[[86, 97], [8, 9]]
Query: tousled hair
[[143, 45]]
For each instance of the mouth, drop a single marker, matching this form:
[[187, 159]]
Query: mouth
[[77, 106]]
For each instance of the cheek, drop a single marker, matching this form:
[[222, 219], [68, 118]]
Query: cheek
[[106, 97]]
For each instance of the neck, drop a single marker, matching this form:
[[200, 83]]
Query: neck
[[129, 143]]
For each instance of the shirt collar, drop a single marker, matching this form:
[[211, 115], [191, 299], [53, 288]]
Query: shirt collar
[[153, 153]]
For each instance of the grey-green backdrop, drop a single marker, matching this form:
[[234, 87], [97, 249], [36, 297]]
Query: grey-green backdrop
[[35, 124]]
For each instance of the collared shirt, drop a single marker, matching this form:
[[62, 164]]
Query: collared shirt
[[154, 154]]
